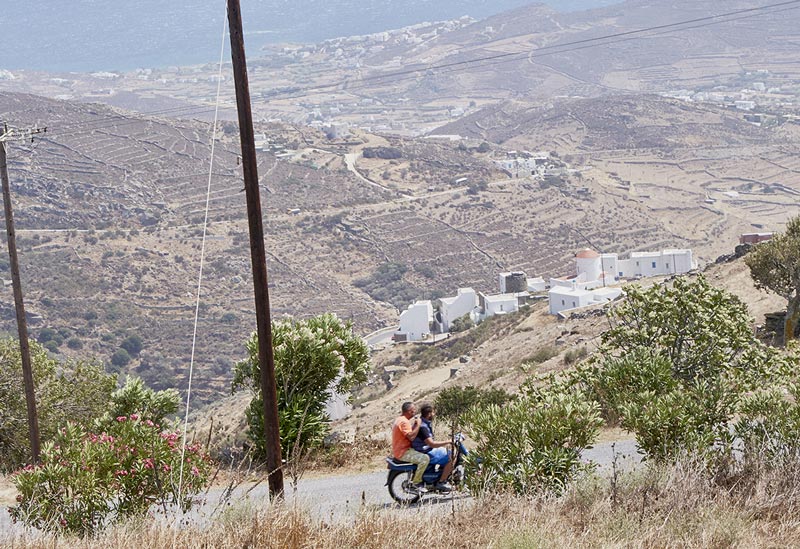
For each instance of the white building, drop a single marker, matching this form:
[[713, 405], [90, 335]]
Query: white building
[[415, 322], [499, 304], [665, 262], [536, 284], [565, 299], [594, 268], [451, 308]]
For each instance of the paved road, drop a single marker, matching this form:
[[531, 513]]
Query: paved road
[[341, 497]]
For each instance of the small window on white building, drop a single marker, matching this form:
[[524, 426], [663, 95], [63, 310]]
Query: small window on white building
[[563, 302], [667, 265], [574, 304], [654, 264], [637, 263]]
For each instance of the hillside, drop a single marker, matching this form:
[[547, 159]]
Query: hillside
[[109, 207], [503, 353]]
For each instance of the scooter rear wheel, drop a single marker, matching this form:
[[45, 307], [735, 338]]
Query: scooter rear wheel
[[399, 483]]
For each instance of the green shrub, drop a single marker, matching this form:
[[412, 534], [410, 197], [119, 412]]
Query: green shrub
[[454, 403], [75, 343], [462, 324], [87, 479], [51, 346], [46, 334], [132, 344], [70, 391], [313, 358], [120, 358], [136, 398], [531, 444], [543, 354], [229, 318], [677, 367], [575, 355], [387, 284], [768, 425]]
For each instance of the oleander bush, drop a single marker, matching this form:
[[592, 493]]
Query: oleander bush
[[90, 478], [531, 444]]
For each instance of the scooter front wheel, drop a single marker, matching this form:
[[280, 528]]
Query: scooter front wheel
[[401, 487]]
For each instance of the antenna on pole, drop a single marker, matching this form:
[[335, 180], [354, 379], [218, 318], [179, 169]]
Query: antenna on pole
[[11, 134]]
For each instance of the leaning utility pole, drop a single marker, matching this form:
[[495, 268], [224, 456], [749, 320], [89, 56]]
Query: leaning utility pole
[[266, 359], [22, 325]]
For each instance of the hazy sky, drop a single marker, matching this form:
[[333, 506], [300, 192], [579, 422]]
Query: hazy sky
[[89, 35]]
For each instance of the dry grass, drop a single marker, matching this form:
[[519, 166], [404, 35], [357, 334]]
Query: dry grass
[[676, 507]]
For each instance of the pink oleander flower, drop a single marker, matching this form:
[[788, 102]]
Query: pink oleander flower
[[134, 416], [121, 418], [195, 471]]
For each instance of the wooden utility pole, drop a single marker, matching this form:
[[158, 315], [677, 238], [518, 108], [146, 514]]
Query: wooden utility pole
[[266, 359], [22, 324]]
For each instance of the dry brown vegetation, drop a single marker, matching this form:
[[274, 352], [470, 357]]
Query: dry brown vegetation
[[679, 506]]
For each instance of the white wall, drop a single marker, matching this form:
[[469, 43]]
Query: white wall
[[589, 267], [458, 306], [609, 263], [500, 304], [562, 299], [536, 284], [665, 262], [415, 321]]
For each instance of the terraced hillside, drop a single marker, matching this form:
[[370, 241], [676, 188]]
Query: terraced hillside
[[110, 211], [703, 172]]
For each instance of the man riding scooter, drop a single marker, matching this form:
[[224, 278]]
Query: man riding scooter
[[404, 430], [437, 450]]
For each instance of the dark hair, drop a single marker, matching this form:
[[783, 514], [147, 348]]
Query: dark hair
[[426, 409], [407, 406]]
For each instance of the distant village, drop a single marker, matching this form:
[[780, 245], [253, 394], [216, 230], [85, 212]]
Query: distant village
[[759, 94], [596, 280]]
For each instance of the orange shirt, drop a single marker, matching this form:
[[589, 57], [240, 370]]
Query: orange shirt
[[400, 442]]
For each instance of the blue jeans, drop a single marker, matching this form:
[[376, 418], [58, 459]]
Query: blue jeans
[[439, 456]]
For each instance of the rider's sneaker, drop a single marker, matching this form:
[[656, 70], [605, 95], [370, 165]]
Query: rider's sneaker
[[419, 488], [443, 487]]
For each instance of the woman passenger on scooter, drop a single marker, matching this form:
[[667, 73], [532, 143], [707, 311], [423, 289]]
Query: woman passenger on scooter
[[436, 449]]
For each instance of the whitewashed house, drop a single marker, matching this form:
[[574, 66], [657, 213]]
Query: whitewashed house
[[499, 304], [665, 262], [451, 308], [415, 322], [565, 299], [536, 284], [596, 269]]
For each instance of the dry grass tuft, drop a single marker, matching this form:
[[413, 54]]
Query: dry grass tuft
[[680, 506]]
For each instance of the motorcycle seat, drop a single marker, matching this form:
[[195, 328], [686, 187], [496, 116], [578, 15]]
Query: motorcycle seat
[[395, 461]]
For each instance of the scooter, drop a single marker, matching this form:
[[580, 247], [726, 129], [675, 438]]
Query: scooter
[[401, 472]]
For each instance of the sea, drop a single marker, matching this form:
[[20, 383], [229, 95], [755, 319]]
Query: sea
[[120, 35]]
